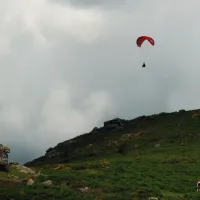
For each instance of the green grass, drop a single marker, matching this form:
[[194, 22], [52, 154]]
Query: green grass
[[136, 168]]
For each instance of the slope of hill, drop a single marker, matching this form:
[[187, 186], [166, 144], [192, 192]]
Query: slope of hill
[[130, 137], [150, 156]]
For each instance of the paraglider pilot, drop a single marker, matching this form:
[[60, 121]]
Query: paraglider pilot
[[140, 41]]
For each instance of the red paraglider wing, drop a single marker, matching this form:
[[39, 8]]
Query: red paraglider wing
[[141, 39]]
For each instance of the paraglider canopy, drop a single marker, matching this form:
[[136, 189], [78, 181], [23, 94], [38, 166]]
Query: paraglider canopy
[[141, 39]]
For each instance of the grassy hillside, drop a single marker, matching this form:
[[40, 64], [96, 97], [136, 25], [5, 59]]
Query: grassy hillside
[[150, 156], [137, 136]]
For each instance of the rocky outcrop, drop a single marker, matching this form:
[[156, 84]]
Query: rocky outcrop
[[51, 153], [114, 123], [95, 130]]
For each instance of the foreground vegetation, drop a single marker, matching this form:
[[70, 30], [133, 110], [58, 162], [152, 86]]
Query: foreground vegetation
[[159, 158]]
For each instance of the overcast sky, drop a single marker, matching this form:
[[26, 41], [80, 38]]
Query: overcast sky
[[67, 66]]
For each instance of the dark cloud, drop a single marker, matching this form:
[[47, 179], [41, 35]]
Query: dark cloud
[[107, 4]]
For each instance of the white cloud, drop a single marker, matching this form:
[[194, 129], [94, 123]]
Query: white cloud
[[65, 68], [61, 119], [37, 16]]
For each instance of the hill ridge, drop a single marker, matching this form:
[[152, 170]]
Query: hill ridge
[[102, 140]]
